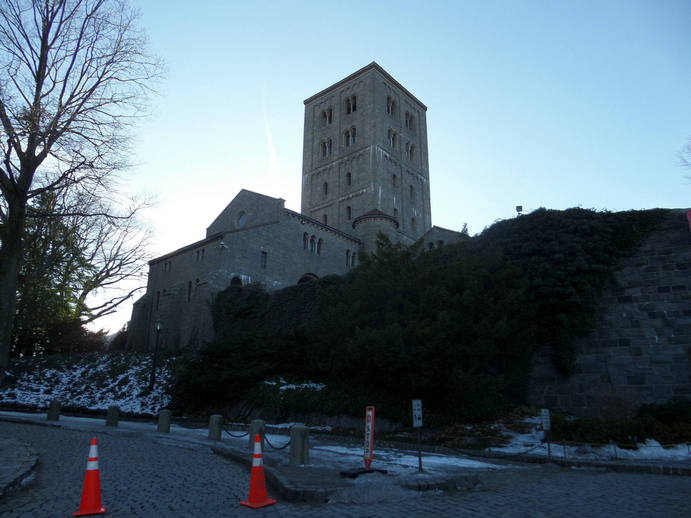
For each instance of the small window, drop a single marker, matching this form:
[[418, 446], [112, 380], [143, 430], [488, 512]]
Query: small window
[[241, 219], [352, 259], [305, 241], [349, 212], [326, 117], [325, 189], [392, 138], [320, 244], [349, 179], [350, 137], [412, 192], [329, 146], [189, 291], [202, 254], [390, 105], [412, 224], [323, 148], [325, 219], [351, 104], [394, 180], [412, 152], [313, 244], [395, 212], [347, 257], [409, 121], [263, 259]]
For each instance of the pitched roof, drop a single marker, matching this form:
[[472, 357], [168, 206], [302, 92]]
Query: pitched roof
[[372, 66]]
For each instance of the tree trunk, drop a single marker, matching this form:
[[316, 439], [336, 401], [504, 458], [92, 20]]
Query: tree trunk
[[10, 254]]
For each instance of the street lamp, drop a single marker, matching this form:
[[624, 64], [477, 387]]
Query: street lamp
[[152, 381]]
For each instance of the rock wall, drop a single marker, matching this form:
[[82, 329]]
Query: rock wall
[[640, 351]]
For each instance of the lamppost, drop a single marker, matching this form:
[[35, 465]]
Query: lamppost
[[152, 381]]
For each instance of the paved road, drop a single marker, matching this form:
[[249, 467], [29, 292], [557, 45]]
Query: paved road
[[146, 477]]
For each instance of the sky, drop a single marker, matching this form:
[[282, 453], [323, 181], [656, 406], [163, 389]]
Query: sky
[[551, 104]]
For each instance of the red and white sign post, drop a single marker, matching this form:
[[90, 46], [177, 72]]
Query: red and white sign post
[[369, 436]]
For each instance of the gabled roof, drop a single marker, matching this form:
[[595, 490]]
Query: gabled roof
[[372, 66]]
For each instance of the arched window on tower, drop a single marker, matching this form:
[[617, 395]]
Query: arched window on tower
[[412, 224], [325, 219], [390, 105], [348, 106], [349, 212], [347, 137], [394, 180], [412, 192], [392, 138], [325, 188], [349, 179], [313, 244]]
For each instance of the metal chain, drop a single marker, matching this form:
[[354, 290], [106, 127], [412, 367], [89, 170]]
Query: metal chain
[[266, 438], [236, 436]]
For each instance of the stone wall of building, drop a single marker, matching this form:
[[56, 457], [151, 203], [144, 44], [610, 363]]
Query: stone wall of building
[[640, 351]]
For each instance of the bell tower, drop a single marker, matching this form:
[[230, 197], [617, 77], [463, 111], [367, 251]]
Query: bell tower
[[365, 162]]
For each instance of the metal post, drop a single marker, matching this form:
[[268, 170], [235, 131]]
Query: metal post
[[419, 451], [152, 380]]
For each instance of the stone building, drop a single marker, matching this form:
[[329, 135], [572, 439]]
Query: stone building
[[365, 172]]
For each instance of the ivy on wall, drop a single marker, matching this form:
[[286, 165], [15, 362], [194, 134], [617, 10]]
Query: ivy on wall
[[455, 326]]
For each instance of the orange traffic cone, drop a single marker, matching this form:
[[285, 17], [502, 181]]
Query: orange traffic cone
[[258, 496], [91, 493]]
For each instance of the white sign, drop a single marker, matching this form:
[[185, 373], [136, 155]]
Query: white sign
[[546, 420], [417, 413]]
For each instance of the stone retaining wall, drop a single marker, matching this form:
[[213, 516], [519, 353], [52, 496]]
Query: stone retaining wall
[[641, 349]]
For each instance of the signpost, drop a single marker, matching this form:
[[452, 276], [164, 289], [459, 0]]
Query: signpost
[[417, 423], [369, 436]]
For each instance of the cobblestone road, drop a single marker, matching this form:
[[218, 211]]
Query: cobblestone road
[[145, 477]]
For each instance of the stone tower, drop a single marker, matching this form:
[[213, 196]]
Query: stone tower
[[365, 165]]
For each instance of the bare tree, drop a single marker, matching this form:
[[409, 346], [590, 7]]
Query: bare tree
[[74, 74]]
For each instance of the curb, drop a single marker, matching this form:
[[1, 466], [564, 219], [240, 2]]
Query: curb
[[652, 469], [23, 472]]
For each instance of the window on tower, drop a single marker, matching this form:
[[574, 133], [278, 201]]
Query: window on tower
[[349, 212], [325, 219], [350, 137], [351, 104], [390, 105], [349, 179], [392, 138], [325, 189], [409, 121]]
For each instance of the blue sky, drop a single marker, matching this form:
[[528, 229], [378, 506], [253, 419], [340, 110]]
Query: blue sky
[[535, 103]]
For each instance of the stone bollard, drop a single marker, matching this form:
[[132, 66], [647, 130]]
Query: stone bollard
[[54, 411], [299, 445], [215, 426], [113, 415], [257, 426], [163, 421]]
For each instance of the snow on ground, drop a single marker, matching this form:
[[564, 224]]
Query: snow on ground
[[396, 461], [531, 443], [96, 381]]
